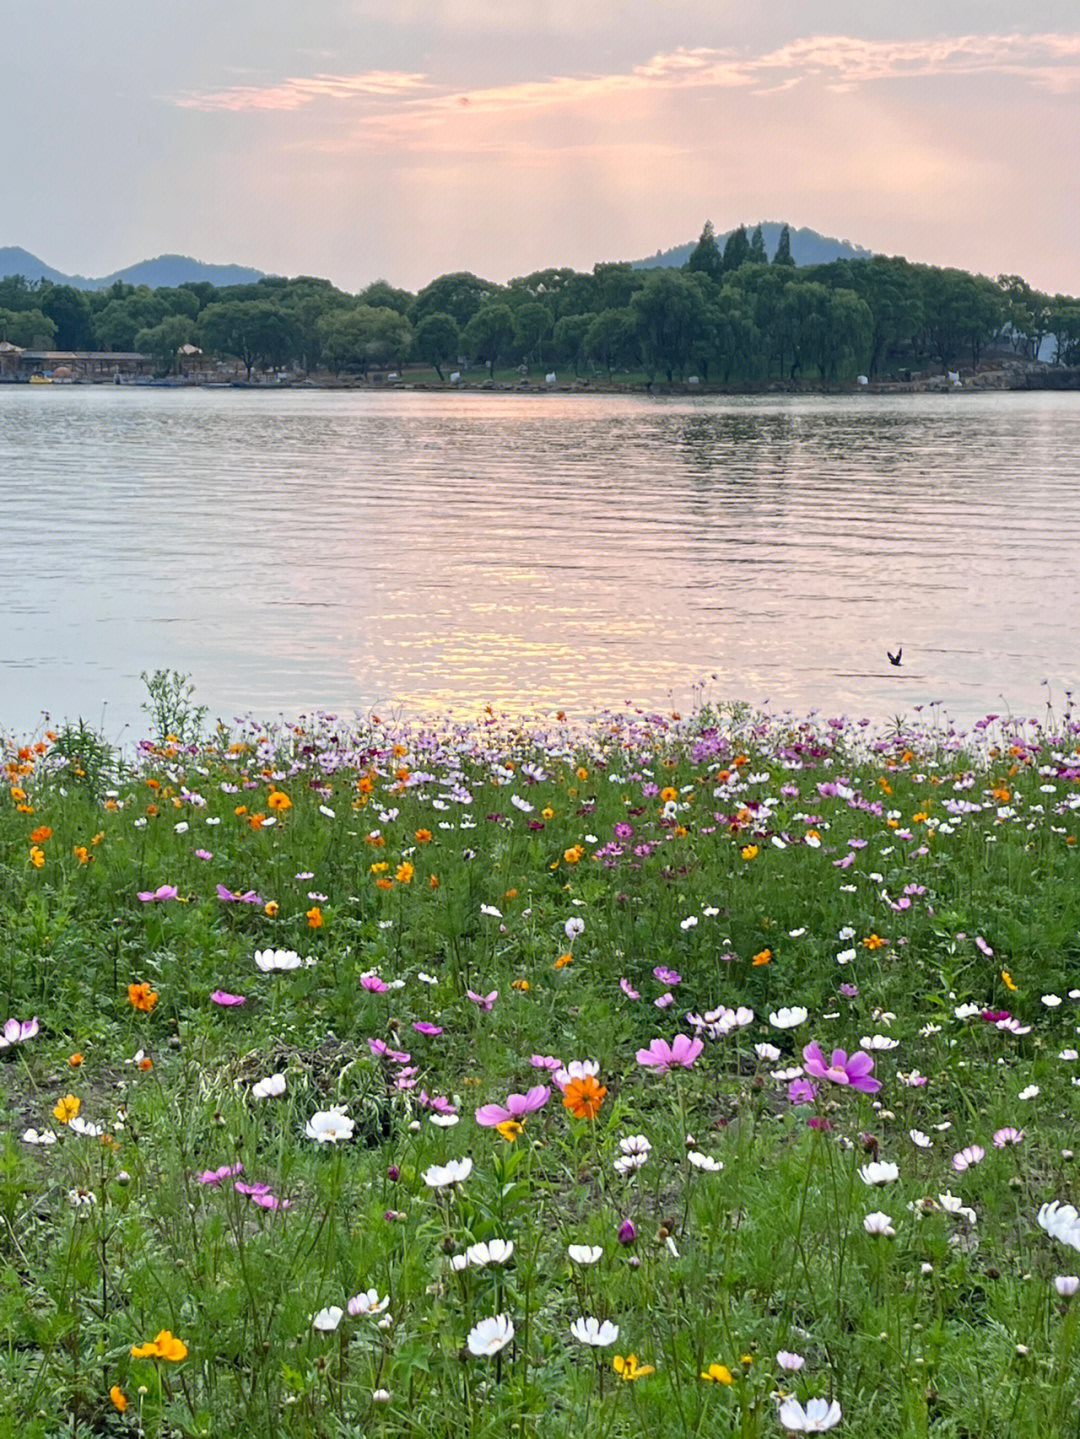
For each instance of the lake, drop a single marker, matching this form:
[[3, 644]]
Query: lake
[[295, 550]]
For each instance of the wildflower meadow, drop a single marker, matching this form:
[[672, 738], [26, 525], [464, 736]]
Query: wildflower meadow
[[664, 1075]]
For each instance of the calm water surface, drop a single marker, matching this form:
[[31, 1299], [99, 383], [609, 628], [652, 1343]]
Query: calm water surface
[[301, 550]]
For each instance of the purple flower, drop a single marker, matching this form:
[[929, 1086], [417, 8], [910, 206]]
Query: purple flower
[[661, 1056], [628, 989], [801, 1091], [16, 1031], [982, 944], [624, 830], [393, 1173], [849, 991], [220, 996], [667, 976], [215, 1176], [485, 1001], [855, 1071], [423, 1027], [516, 1106], [627, 1233], [164, 891]]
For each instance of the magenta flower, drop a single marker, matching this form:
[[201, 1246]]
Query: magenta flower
[[423, 1027], [215, 1176], [261, 1195], [627, 1233], [545, 1061], [628, 989], [485, 1001], [381, 1050], [373, 983], [221, 996], [855, 1071], [661, 1056], [228, 897], [801, 1091], [164, 891], [516, 1106], [203, 854], [667, 976]]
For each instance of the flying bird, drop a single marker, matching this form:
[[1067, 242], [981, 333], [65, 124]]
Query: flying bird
[[894, 659]]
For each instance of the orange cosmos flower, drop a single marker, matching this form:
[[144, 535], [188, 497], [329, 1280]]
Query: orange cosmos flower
[[165, 1346], [874, 941], [278, 799], [118, 1397], [404, 872], [573, 854], [75, 1060], [762, 957], [510, 1129], [522, 984], [82, 854], [433, 881], [256, 821], [141, 996], [562, 961], [37, 856], [314, 917], [667, 794], [41, 834], [583, 1097], [582, 772], [422, 836], [365, 784]]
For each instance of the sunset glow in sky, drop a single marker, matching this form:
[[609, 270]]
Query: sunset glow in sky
[[400, 139]]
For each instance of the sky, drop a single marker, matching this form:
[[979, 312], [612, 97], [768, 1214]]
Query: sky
[[359, 140]]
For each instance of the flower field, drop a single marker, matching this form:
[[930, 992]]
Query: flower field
[[665, 1076]]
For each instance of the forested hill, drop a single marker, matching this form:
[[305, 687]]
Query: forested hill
[[165, 271], [808, 247]]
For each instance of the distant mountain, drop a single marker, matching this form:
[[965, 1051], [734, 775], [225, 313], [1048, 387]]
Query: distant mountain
[[807, 248], [164, 272]]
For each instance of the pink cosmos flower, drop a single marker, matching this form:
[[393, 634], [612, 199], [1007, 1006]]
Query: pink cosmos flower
[[664, 1000], [16, 1031], [485, 1001], [667, 976], [965, 1158], [801, 1091], [220, 996], [628, 989], [165, 891], [855, 1071], [382, 1050], [215, 1176], [1008, 1135], [545, 1061], [423, 1027], [261, 1195], [228, 897], [516, 1107], [661, 1056], [373, 983]]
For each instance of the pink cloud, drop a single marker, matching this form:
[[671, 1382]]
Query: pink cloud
[[293, 93]]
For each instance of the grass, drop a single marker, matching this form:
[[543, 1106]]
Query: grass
[[912, 895]]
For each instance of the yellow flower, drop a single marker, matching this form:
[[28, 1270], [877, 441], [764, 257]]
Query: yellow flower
[[582, 772], [874, 941], [667, 794], [404, 872], [314, 917], [165, 1346], [718, 1374], [380, 867], [118, 1397], [749, 851], [547, 812], [75, 1060], [270, 909], [37, 856], [562, 961], [278, 799], [573, 854], [510, 1129], [1007, 980], [629, 1368], [67, 1108], [522, 984], [82, 854]]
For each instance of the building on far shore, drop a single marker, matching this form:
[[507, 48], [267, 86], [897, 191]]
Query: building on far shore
[[102, 366]]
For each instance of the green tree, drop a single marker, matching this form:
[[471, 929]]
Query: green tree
[[69, 310], [256, 332], [29, 329], [610, 337], [459, 295], [568, 339], [758, 253], [532, 325], [705, 258], [783, 248], [437, 341], [381, 296], [736, 250], [488, 334], [164, 340], [668, 311]]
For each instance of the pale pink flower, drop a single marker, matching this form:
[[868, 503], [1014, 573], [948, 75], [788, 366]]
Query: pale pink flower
[[661, 1056]]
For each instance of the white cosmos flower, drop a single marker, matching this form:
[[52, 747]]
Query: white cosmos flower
[[277, 959], [1051, 1000], [495, 1251], [1066, 1285], [878, 1041], [767, 1052], [705, 1161], [598, 1333], [635, 1144], [879, 1223], [816, 1418], [953, 1204], [328, 1319], [445, 1121], [788, 1018], [627, 1163], [368, 1302], [879, 1172], [918, 1137], [584, 1253], [1029, 1093], [265, 1088], [34, 1136], [966, 1011], [791, 1362], [444, 1176], [491, 1335], [78, 1125], [328, 1126], [1061, 1222]]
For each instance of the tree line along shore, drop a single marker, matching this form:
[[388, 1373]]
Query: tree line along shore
[[728, 318]]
